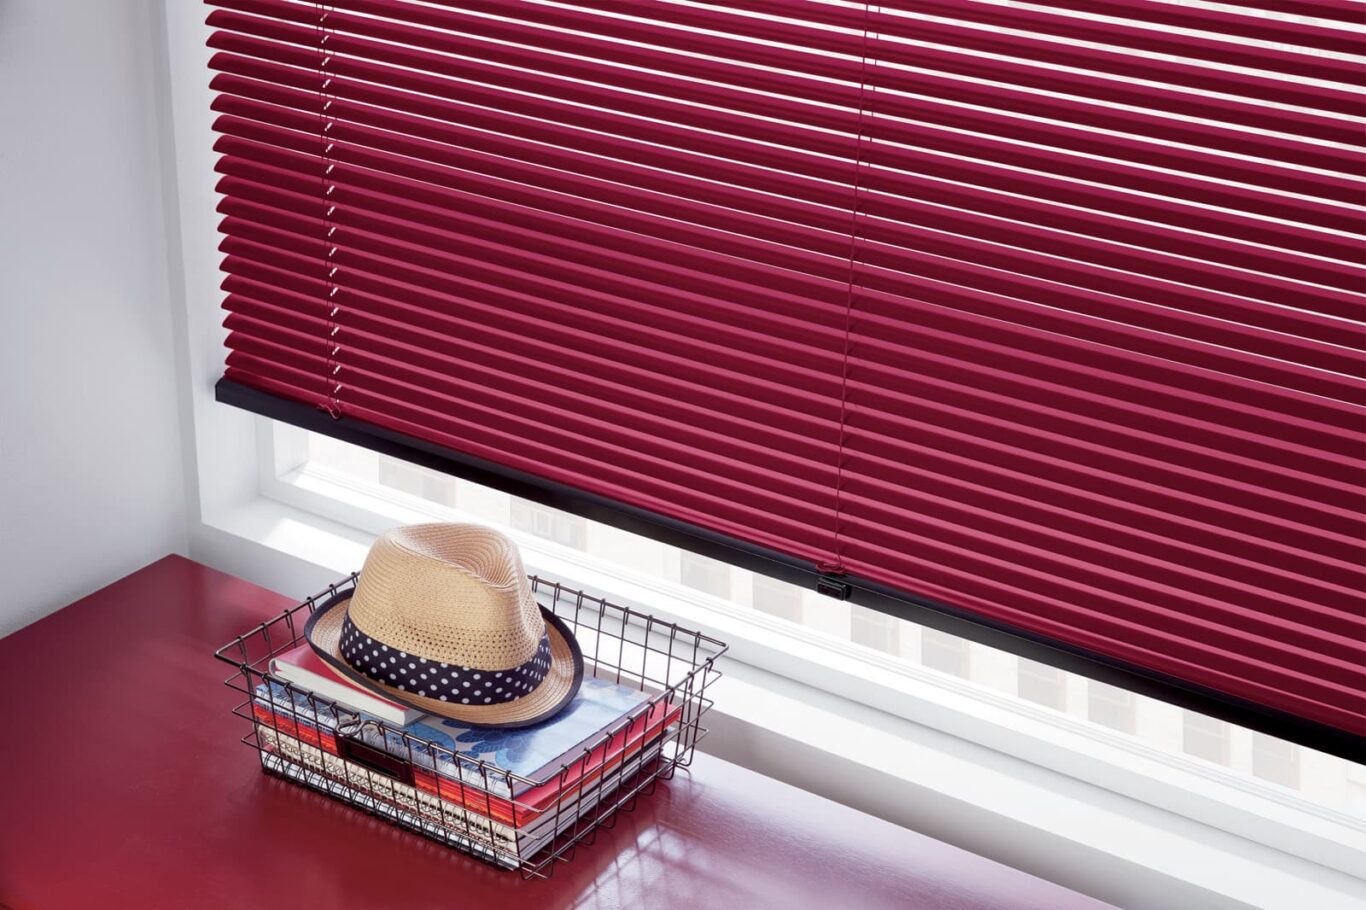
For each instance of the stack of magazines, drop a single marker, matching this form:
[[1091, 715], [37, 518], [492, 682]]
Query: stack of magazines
[[501, 793]]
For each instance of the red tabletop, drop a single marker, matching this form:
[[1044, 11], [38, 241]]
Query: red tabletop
[[124, 785]]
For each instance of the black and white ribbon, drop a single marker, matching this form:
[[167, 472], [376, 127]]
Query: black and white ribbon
[[442, 681]]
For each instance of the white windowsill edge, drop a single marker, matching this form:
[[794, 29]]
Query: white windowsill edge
[[1076, 832]]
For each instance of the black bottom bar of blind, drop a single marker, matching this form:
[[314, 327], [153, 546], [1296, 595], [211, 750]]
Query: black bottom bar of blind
[[865, 593]]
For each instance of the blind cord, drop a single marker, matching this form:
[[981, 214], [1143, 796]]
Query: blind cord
[[332, 385], [836, 566]]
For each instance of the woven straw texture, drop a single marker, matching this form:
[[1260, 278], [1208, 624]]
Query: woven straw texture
[[454, 593], [551, 695]]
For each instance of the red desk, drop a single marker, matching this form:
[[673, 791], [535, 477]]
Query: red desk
[[149, 802]]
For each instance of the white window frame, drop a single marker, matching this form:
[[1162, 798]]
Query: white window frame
[[1016, 781]]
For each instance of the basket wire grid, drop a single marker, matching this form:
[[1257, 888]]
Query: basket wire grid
[[470, 804]]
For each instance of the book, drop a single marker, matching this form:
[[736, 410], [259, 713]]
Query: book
[[573, 777], [477, 756], [303, 667], [538, 752], [416, 809]]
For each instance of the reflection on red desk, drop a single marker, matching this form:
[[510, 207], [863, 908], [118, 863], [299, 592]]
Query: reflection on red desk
[[122, 786]]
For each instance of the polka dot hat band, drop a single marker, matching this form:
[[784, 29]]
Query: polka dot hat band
[[436, 679], [443, 619]]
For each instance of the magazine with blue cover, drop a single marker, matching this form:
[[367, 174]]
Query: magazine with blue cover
[[534, 752]]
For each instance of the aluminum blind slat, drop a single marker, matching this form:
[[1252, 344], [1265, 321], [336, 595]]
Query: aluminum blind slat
[[645, 257], [558, 192], [985, 107], [951, 168], [922, 122], [768, 381], [597, 131], [1194, 61], [305, 244], [1050, 313], [1239, 254], [510, 65], [722, 415], [601, 309], [997, 230], [1235, 282], [1214, 47], [1234, 24], [1234, 402], [368, 233], [283, 371], [768, 407], [1280, 372], [673, 309], [1287, 347], [642, 444], [963, 479], [622, 20]]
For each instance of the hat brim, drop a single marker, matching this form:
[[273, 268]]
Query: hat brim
[[323, 632]]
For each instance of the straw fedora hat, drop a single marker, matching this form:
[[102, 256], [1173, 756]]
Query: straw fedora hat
[[443, 619]]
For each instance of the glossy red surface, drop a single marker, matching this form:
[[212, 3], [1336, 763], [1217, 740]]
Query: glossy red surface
[[123, 786]]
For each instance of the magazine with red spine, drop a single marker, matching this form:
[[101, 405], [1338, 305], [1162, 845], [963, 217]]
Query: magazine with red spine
[[359, 785], [288, 725], [579, 772]]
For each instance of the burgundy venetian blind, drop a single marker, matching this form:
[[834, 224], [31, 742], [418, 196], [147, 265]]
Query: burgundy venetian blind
[[1052, 313]]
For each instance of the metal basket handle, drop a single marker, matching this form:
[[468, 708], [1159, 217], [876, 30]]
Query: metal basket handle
[[367, 756]]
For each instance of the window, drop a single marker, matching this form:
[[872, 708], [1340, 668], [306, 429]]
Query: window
[[945, 653], [1276, 760], [704, 574], [777, 599], [552, 524], [1041, 684], [420, 482], [1355, 787], [1204, 737], [1111, 707], [874, 630]]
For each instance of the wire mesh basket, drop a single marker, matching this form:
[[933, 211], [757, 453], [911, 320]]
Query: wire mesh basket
[[503, 818]]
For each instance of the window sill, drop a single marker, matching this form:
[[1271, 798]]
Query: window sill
[[908, 745]]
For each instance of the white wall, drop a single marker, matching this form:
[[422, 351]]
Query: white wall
[[91, 483]]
